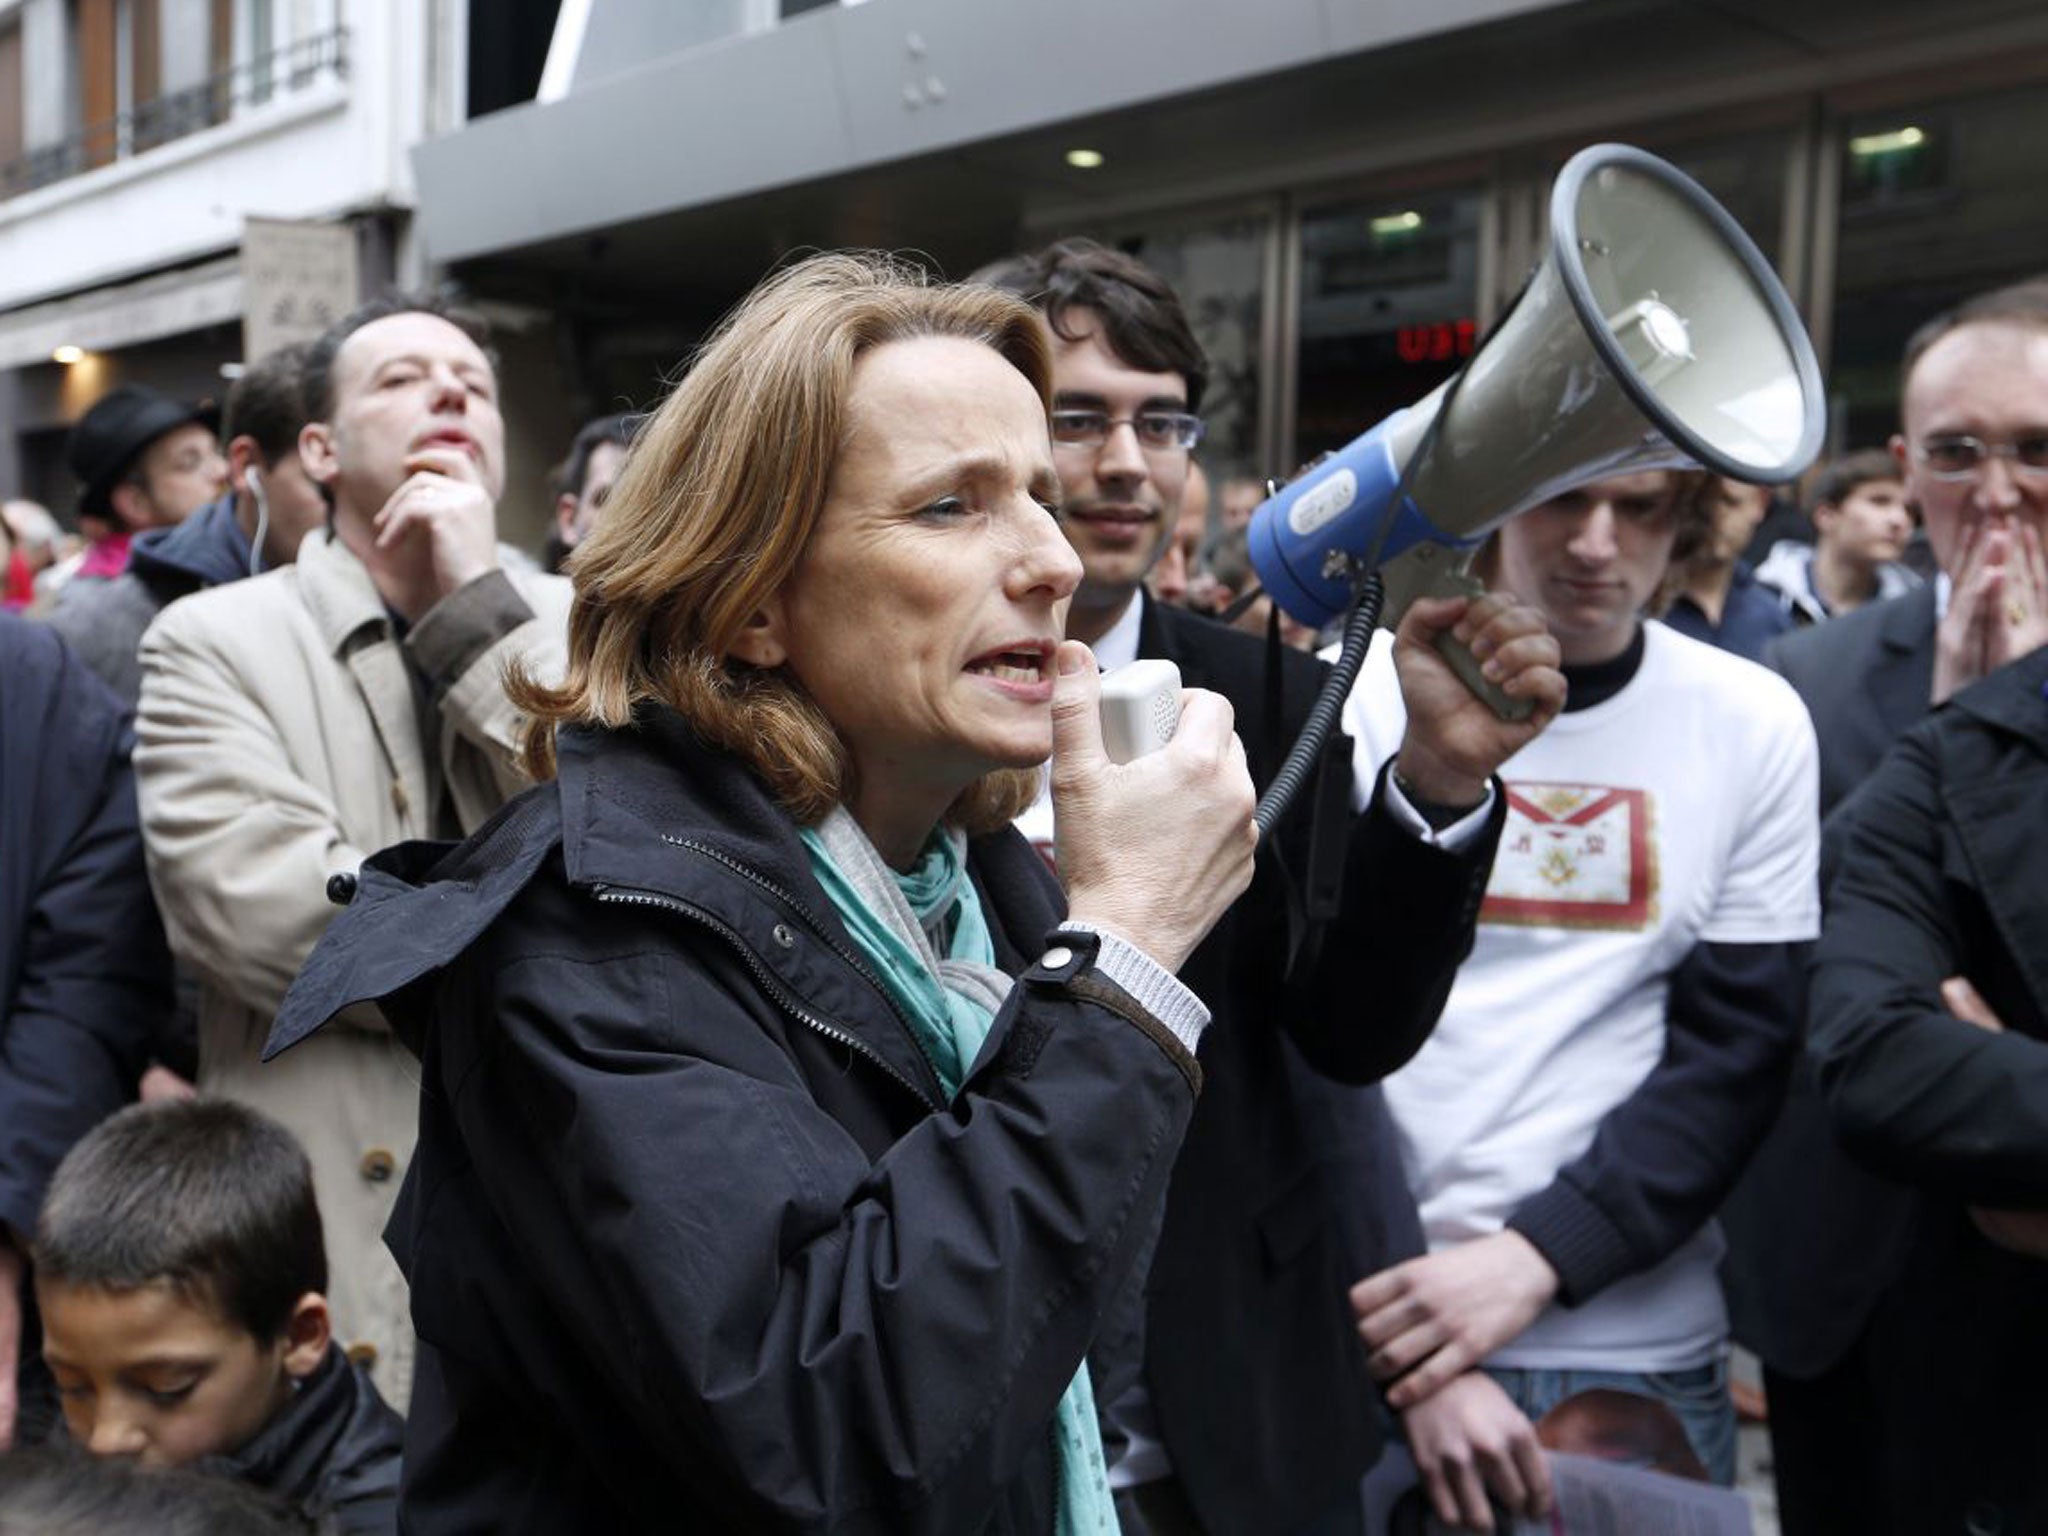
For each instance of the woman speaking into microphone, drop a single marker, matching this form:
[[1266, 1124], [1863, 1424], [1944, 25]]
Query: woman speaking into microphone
[[786, 1131]]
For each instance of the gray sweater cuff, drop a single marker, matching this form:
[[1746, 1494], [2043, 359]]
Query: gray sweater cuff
[[452, 634], [1150, 985]]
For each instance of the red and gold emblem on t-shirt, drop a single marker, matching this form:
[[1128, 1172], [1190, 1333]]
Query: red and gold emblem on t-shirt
[[1575, 856]]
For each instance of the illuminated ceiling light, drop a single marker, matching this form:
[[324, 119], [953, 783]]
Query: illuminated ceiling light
[[67, 354], [1890, 143], [1084, 159], [1397, 223]]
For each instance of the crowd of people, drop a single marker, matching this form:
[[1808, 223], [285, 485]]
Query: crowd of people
[[690, 1027]]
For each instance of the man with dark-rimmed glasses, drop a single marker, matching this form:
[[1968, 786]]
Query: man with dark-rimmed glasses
[[1973, 451], [1252, 1412]]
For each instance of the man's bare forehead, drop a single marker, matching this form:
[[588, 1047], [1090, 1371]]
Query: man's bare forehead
[[2001, 362], [412, 334]]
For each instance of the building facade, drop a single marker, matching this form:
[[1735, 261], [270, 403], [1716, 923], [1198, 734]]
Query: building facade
[[139, 137], [1346, 191]]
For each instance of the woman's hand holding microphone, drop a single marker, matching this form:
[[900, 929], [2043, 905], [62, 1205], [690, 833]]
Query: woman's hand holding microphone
[[1154, 850]]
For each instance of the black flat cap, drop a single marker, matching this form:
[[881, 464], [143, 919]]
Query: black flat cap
[[111, 436]]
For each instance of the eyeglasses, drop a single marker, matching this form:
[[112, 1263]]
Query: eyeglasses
[[1963, 457], [1156, 430]]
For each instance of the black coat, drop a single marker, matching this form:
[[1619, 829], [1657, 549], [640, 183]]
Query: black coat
[[333, 1452], [1814, 1236], [1938, 872], [85, 977], [693, 1242], [1253, 1360]]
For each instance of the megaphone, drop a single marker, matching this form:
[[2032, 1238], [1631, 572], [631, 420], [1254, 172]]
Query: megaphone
[[1654, 335]]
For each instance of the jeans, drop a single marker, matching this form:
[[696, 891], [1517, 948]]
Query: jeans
[[1698, 1395]]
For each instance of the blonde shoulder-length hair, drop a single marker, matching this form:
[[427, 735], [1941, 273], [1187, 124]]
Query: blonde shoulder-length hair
[[719, 497]]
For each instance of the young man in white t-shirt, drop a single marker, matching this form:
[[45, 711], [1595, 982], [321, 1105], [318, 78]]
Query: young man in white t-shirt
[[1617, 1042]]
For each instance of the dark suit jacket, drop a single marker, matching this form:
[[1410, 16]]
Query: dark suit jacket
[[1256, 1372], [85, 979], [1814, 1236], [1938, 872], [1865, 678]]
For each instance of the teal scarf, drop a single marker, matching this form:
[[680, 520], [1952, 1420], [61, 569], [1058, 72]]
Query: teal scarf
[[900, 922]]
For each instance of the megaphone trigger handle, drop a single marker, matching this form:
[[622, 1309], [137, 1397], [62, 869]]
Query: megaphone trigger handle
[[1458, 583]]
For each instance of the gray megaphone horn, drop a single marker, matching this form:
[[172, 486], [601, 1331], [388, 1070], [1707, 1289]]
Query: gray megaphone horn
[[1653, 336]]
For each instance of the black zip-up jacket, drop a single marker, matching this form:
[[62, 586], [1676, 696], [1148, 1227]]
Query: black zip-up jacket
[[1933, 869], [694, 1243], [333, 1452]]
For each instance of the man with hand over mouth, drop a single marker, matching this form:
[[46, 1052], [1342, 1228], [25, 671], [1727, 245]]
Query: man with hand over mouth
[[294, 723]]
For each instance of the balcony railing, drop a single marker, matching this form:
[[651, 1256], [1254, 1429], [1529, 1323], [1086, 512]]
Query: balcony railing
[[172, 116]]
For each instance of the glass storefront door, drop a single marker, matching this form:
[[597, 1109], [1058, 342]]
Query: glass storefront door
[[1938, 202], [1389, 299], [1218, 268]]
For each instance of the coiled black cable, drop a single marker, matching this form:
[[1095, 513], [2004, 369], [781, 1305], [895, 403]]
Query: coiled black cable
[[1359, 624]]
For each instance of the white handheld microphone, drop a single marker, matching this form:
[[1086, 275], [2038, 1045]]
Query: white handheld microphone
[[1140, 708]]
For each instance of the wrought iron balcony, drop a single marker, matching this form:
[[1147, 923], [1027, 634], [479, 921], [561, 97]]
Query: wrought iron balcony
[[171, 116]]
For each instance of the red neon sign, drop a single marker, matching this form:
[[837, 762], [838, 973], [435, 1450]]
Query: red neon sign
[[1443, 342]]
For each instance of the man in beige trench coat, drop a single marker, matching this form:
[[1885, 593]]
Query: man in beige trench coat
[[293, 724]]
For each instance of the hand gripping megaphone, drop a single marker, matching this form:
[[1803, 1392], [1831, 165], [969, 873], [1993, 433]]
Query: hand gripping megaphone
[[1654, 335]]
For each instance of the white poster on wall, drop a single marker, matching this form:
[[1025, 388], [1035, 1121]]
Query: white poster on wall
[[299, 276]]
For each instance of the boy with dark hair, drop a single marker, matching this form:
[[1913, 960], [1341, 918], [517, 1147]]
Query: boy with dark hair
[[179, 1268], [1861, 522], [57, 1492]]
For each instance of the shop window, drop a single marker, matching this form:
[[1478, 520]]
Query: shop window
[[1938, 202], [508, 49], [1217, 270], [1389, 308]]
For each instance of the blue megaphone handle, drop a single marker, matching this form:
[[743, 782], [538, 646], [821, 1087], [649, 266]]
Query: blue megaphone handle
[[1344, 506]]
